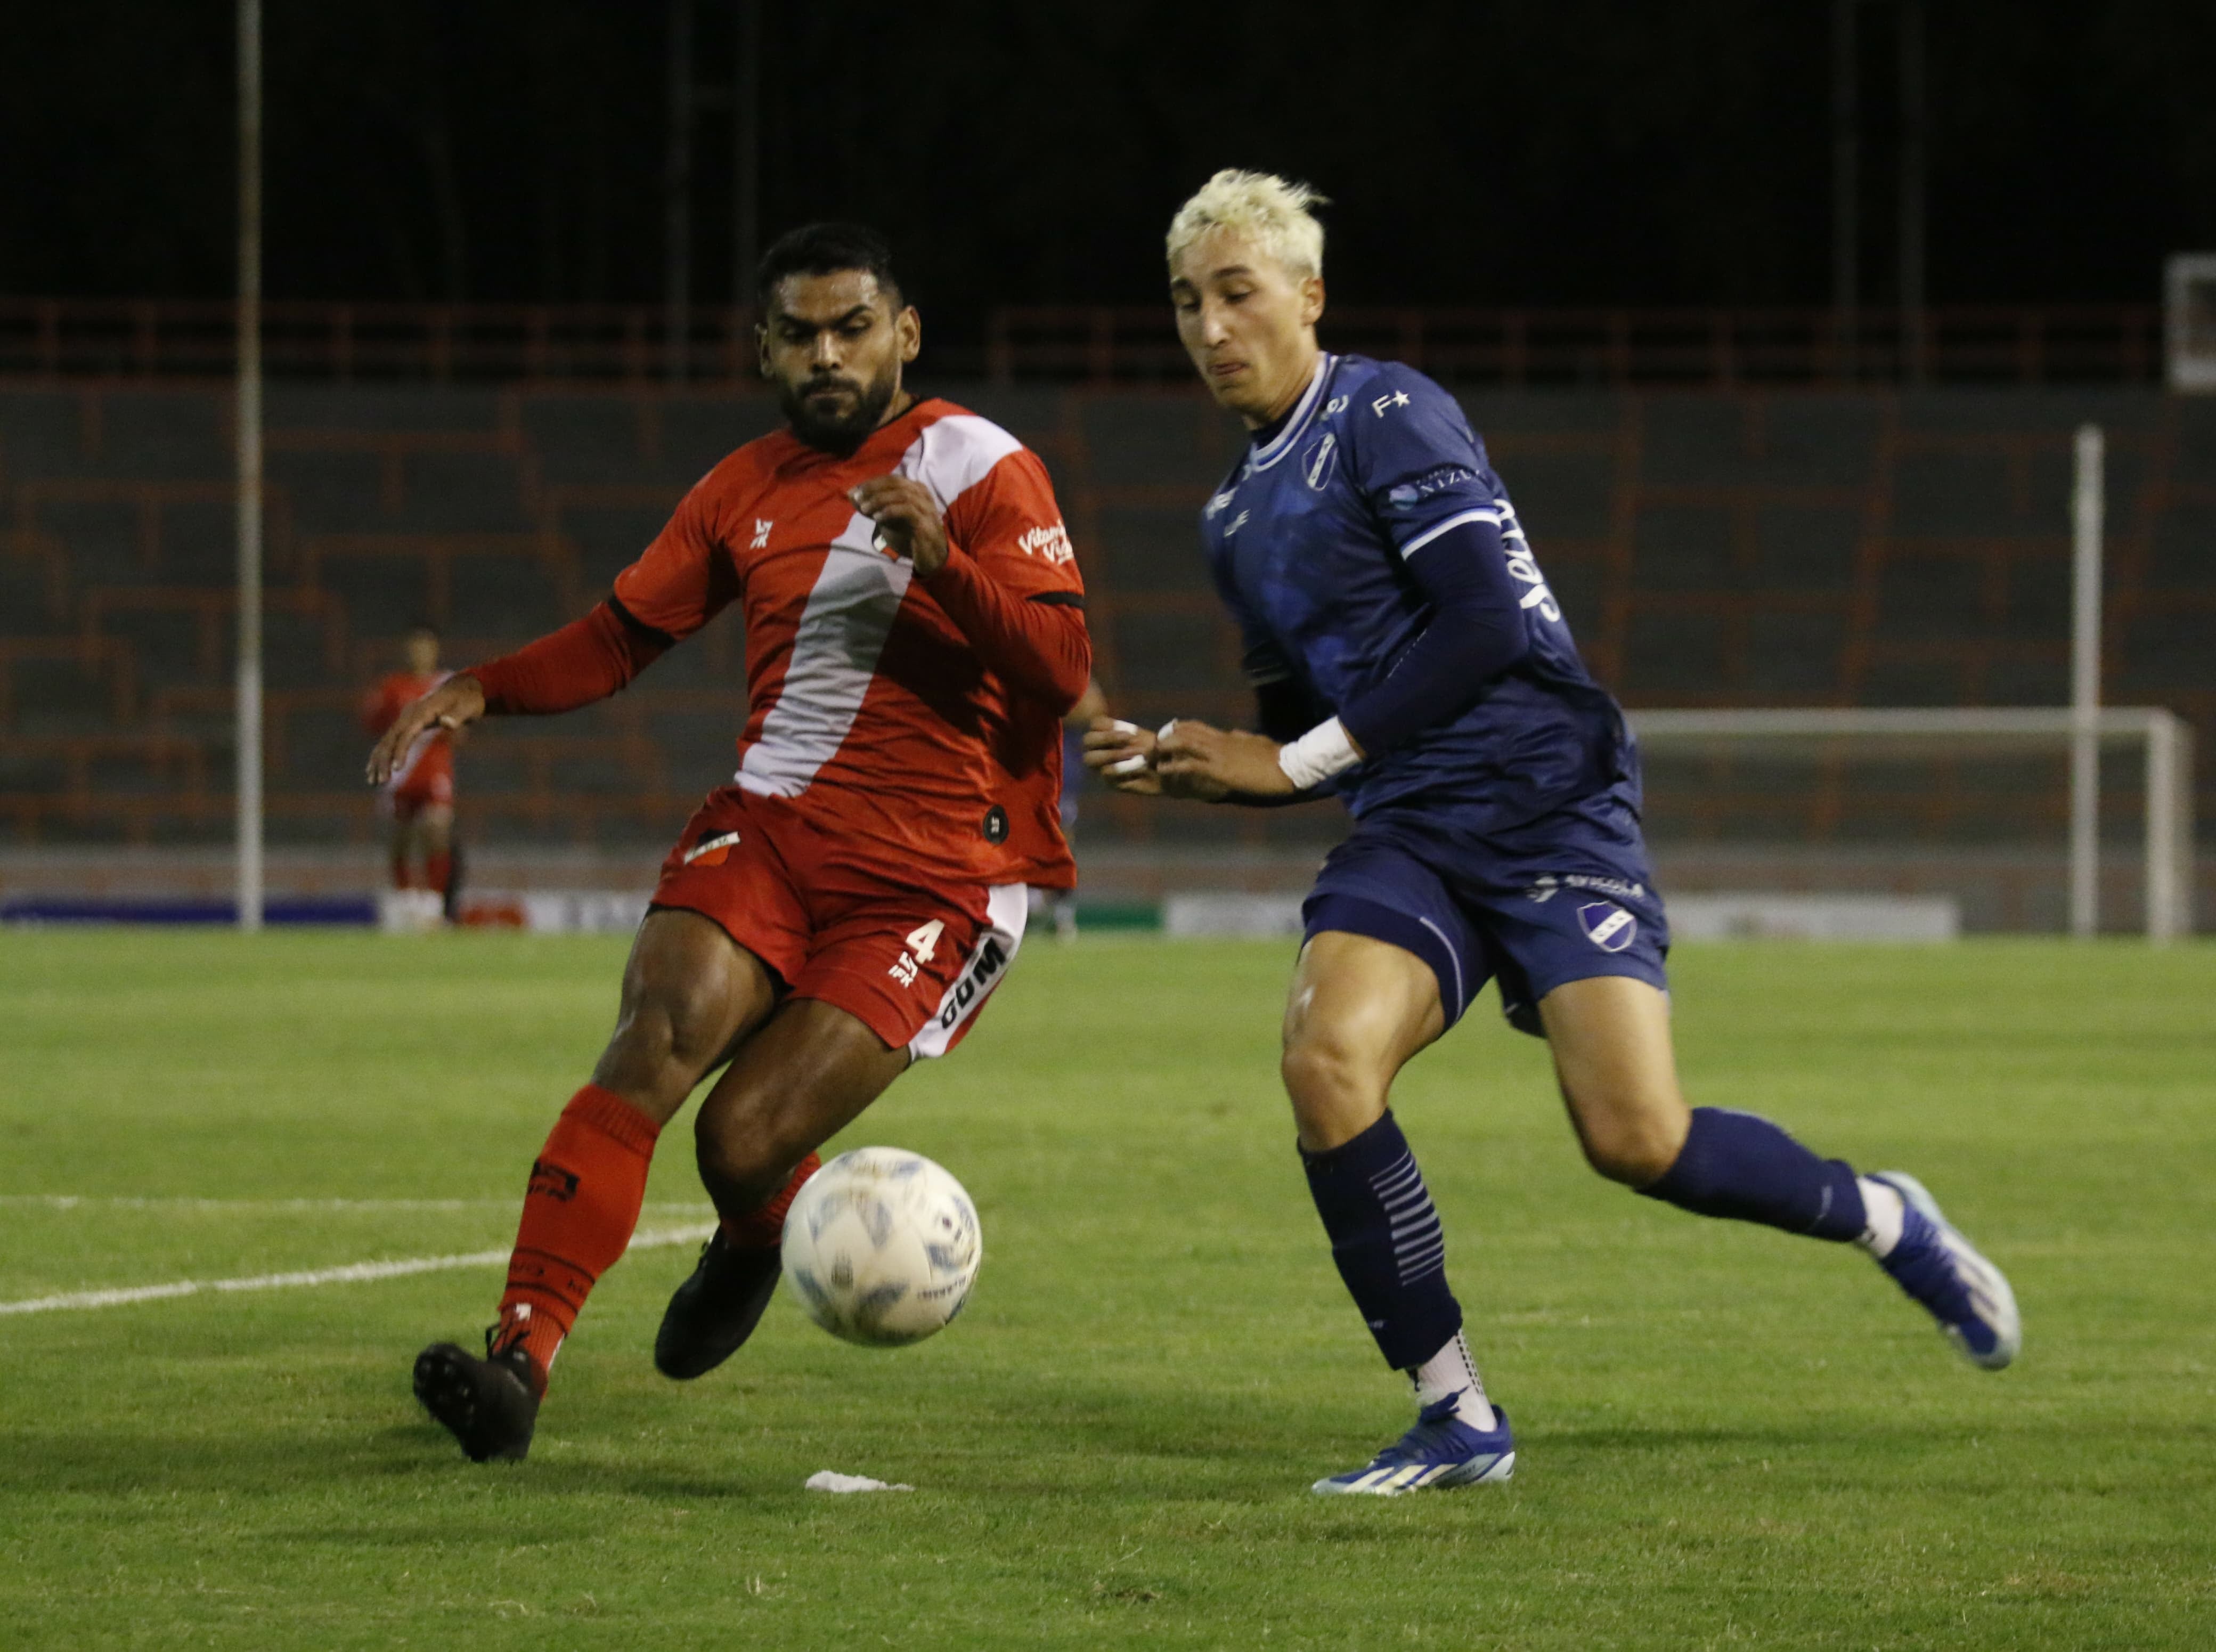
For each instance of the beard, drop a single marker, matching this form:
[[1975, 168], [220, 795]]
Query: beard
[[839, 425]]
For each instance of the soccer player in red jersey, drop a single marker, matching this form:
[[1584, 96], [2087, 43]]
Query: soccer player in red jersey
[[419, 798], [915, 632]]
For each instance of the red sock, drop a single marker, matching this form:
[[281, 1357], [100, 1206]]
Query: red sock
[[438, 871], [586, 1185], [760, 1230], [403, 875]]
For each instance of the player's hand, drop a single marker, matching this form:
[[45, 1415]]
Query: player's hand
[[1123, 754], [456, 701], [1196, 760], [907, 520]]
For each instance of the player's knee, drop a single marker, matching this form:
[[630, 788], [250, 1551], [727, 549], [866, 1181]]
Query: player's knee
[[1324, 1073], [742, 1156], [1636, 1150], [669, 1036]]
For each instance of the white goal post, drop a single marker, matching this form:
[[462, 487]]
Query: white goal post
[[2166, 739]]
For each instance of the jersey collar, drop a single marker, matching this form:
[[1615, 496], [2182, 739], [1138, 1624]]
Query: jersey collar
[[1303, 411]]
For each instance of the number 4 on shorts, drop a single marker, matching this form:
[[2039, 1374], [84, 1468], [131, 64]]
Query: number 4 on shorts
[[925, 941]]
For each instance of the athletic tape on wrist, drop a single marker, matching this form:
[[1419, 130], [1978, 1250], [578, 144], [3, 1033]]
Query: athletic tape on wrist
[[1322, 752]]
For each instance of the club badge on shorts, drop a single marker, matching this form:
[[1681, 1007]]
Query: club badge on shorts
[[1607, 925], [711, 851]]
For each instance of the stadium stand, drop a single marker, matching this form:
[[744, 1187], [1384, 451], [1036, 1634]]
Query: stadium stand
[[1713, 548]]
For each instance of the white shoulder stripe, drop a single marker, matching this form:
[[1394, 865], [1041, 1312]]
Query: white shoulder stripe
[[850, 613], [954, 455], [1433, 532]]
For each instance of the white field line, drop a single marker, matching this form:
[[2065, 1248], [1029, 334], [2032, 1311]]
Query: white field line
[[99, 1201], [352, 1272]]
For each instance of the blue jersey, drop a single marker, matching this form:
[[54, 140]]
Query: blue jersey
[[1307, 540]]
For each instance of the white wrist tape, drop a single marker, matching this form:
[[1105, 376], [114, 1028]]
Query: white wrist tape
[[1322, 752]]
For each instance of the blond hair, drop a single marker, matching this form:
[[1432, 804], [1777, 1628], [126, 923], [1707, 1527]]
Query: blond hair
[[1270, 211]]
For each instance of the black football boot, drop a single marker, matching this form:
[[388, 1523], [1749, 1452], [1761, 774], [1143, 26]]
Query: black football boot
[[489, 1405], [716, 1309]]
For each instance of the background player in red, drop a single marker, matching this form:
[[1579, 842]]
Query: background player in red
[[915, 634], [419, 798]]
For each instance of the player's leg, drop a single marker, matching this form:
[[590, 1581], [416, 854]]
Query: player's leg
[[1360, 1008], [791, 1087], [434, 839], [689, 993], [400, 841], [896, 977], [1609, 1035]]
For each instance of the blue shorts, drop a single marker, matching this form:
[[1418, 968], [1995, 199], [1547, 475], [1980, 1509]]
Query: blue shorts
[[1565, 898]]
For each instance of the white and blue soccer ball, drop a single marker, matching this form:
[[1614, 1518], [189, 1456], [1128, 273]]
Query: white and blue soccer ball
[[882, 1246]]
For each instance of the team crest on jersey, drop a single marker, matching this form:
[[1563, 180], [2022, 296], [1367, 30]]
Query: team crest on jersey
[[1049, 544], [1607, 925], [1317, 460]]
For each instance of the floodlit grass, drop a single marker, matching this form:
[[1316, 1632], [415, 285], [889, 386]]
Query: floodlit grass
[[1727, 1437]]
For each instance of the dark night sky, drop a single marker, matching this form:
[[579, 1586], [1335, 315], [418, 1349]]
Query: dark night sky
[[1569, 151]]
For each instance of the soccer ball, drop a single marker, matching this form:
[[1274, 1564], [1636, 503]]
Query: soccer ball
[[882, 1246]]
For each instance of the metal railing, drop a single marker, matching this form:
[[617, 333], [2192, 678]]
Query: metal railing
[[1967, 344], [153, 339]]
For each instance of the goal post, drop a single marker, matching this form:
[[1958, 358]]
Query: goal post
[[2164, 739]]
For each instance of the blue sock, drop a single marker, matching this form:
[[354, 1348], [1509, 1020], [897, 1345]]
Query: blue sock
[[1740, 1165], [1386, 1238]]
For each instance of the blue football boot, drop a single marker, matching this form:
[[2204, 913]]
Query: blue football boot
[[1966, 1294], [1440, 1450]]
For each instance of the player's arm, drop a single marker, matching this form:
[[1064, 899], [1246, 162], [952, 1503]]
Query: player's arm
[[586, 660], [671, 591], [1034, 638], [1191, 759], [1418, 472]]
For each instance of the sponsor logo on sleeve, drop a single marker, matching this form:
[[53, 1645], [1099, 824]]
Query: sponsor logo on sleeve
[[1049, 544], [760, 540], [1409, 495], [1607, 925]]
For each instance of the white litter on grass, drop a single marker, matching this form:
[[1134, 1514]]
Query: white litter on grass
[[825, 1480], [352, 1274]]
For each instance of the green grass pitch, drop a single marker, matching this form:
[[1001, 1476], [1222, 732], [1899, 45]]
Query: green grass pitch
[[1728, 1438]]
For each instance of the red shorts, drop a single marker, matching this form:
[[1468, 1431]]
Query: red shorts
[[913, 964]]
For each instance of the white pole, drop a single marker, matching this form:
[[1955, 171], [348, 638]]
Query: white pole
[[2168, 828], [2085, 688], [2161, 824], [248, 409]]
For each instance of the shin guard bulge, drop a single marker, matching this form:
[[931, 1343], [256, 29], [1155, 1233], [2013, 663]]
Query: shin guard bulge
[[1386, 1238], [586, 1185], [1740, 1165]]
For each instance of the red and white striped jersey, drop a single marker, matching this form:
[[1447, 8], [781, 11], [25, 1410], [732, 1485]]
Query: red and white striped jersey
[[867, 704]]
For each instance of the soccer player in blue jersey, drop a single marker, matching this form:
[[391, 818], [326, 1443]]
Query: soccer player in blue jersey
[[1407, 655]]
